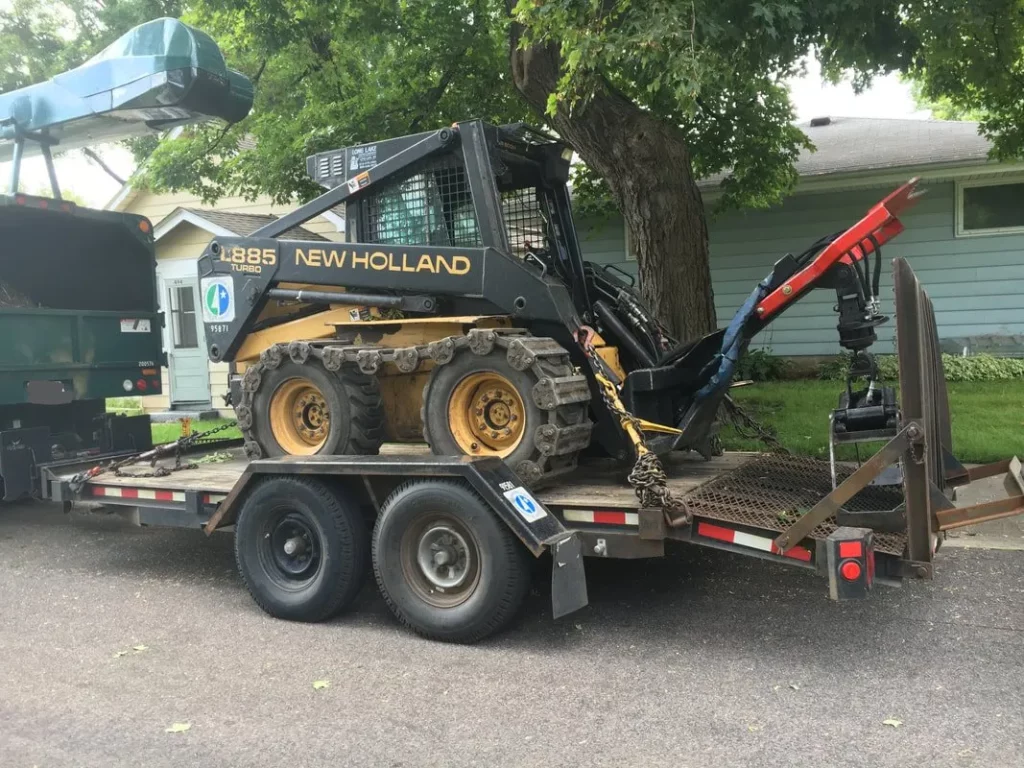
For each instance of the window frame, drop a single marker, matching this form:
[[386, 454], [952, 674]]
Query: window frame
[[999, 181]]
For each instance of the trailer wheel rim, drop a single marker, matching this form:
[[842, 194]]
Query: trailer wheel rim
[[299, 417], [440, 560], [486, 415], [290, 548]]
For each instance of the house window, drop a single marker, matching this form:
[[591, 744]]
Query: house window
[[183, 317], [990, 207]]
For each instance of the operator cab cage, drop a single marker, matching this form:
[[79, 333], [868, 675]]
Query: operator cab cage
[[502, 187]]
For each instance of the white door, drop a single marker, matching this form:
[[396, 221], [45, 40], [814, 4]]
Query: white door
[[188, 367]]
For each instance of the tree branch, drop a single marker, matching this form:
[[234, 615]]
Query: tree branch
[[91, 154]]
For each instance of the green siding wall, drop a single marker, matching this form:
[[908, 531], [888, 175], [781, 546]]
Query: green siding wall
[[976, 283]]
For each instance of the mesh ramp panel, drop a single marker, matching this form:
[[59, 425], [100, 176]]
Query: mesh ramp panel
[[771, 491]]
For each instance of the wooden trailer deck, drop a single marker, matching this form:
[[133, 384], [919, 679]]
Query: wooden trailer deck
[[767, 492], [600, 482]]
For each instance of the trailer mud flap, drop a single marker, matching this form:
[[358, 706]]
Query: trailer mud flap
[[568, 580]]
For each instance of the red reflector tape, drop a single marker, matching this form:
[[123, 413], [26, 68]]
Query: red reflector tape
[[743, 539], [119, 492], [600, 517]]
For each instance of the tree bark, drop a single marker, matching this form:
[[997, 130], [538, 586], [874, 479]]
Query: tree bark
[[646, 164]]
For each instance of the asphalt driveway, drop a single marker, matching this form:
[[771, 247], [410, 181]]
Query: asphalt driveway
[[703, 659]]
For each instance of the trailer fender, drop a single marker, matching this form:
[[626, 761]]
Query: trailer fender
[[490, 477]]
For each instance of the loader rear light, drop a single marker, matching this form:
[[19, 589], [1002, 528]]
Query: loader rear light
[[141, 385], [155, 384], [20, 200], [850, 570], [148, 371], [144, 225]]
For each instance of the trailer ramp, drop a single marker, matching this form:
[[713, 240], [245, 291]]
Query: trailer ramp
[[772, 491]]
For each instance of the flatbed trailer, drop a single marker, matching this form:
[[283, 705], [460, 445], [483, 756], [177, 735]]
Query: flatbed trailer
[[733, 500], [452, 535]]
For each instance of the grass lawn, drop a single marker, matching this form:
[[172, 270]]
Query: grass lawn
[[987, 417]]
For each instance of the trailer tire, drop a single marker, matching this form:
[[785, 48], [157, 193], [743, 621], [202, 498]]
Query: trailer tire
[[284, 423], [301, 548], [487, 583]]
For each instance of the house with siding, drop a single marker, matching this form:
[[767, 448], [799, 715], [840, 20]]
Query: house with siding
[[182, 227], [965, 240]]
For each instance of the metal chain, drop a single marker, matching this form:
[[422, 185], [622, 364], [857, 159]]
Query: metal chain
[[647, 477], [180, 446], [748, 427], [153, 455]]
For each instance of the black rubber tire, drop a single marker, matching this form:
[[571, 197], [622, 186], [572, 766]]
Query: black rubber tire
[[353, 399], [441, 385], [339, 530], [504, 568]]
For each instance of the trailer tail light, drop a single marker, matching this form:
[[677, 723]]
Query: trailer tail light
[[850, 570], [851, 563]]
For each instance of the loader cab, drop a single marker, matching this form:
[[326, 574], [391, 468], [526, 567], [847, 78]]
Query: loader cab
[[501, 187]]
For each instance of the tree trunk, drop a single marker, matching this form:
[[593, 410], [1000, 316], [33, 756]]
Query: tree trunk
[[646, 164]]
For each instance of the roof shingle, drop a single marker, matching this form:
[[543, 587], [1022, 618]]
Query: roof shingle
[[243, 224], [849, 144]]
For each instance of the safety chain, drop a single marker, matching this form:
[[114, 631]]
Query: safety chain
[[748, 427], [559, 391], [647, 478], [153, 455], [180, 446]]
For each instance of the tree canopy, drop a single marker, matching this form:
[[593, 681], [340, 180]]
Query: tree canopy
[[653, 94], [969, 64]]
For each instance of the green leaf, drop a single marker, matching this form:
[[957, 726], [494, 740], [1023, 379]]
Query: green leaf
[[140, 648], [319, 685], [178, 728], [893, 722]]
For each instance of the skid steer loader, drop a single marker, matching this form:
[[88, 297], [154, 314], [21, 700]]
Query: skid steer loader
[[462, 312]]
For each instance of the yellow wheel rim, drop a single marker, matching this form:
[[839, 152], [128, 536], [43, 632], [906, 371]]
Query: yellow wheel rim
[[486, 415], [299, 417]]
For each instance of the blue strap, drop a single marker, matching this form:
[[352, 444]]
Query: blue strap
[[732, 342]]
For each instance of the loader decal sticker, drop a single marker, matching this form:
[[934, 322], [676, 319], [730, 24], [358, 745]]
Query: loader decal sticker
[[528, 507], [218, 299], [380, 261], [251, 260]]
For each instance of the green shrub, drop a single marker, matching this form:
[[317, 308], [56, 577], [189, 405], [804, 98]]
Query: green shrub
[[982, 368], [760, 365], [973, 368]]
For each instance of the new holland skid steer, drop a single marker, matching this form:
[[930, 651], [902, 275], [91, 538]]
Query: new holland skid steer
[[461, 311]]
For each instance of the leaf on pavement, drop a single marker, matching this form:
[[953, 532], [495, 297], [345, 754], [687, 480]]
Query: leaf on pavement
[[140, 648], [178, 727], [893, 722], [319, 685]]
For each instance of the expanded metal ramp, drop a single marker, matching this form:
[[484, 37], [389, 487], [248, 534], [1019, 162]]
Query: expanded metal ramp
[[772, 491]]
